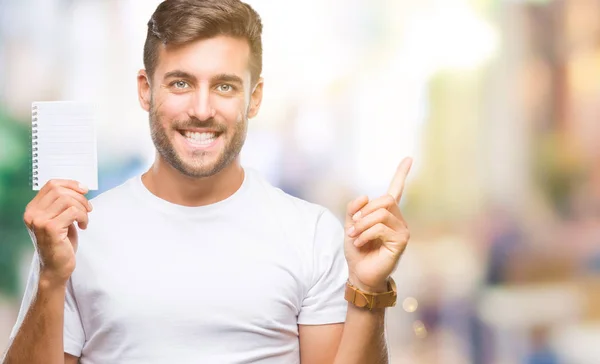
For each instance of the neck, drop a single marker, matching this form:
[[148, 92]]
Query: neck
[[169, 184]]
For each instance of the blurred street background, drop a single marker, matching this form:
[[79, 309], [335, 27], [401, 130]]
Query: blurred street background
[[498, 101]]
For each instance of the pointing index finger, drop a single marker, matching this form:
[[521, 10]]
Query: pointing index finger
[[397, 184]]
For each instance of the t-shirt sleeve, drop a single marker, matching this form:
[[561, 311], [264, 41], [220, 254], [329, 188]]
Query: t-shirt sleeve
[[324, 302], [74, 336]]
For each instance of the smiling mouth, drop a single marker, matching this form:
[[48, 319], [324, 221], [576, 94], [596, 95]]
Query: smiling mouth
[[199, 138]]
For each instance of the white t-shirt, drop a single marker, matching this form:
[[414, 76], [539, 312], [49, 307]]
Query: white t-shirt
[[225, 283]]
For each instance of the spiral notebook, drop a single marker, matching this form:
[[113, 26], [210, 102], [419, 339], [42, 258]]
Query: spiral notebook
[[63, 143]]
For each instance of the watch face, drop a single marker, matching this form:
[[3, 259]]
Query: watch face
[[363, 301]]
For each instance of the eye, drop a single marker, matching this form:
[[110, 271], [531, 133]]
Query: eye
[[180, 84], [225, 88]]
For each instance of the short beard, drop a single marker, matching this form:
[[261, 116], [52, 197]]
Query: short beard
[[199, 168]]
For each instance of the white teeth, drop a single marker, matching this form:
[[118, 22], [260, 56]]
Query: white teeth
[[200, 138]]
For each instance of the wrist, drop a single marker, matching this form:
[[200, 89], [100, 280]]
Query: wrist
[[49, 280], [371, 296], [374, 287]]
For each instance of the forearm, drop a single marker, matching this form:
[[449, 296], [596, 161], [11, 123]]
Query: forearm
[[363, 340], [40, 336]]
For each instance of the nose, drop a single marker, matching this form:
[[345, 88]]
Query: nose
[[202, 108]]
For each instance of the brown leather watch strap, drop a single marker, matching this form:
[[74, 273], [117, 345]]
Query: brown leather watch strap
[[371, 300]]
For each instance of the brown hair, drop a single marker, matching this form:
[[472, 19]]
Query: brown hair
[[179, 22]]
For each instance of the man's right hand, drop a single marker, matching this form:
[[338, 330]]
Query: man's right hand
[[50, 217]]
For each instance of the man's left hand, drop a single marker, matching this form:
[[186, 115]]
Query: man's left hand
[[376, 235]]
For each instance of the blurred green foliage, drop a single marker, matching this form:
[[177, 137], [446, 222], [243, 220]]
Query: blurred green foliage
[[557, 170], [15, 193]]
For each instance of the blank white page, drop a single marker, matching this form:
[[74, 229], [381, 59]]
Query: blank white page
[[63, 138]]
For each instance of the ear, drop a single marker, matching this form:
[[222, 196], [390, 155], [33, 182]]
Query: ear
[[144, 90], [255, 99]]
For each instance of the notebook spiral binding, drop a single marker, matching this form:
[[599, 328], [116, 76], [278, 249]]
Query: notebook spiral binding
[[34, 147]]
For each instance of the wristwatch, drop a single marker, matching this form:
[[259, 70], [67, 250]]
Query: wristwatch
[[371, 300]]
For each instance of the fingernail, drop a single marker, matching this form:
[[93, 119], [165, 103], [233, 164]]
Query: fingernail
[[356, 243], [83, 187], [90, 205], [351, 230], [356, 216]]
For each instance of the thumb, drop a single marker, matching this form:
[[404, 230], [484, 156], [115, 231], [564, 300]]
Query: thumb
[[353, 207]]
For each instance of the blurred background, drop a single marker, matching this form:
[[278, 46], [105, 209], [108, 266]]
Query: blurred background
[[498, 101]]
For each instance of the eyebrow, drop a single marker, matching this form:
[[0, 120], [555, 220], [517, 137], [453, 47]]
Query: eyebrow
[[223, 77], [226, 77], [180, 74]]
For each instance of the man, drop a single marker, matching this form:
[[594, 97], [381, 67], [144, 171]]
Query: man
[[199, 260]]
